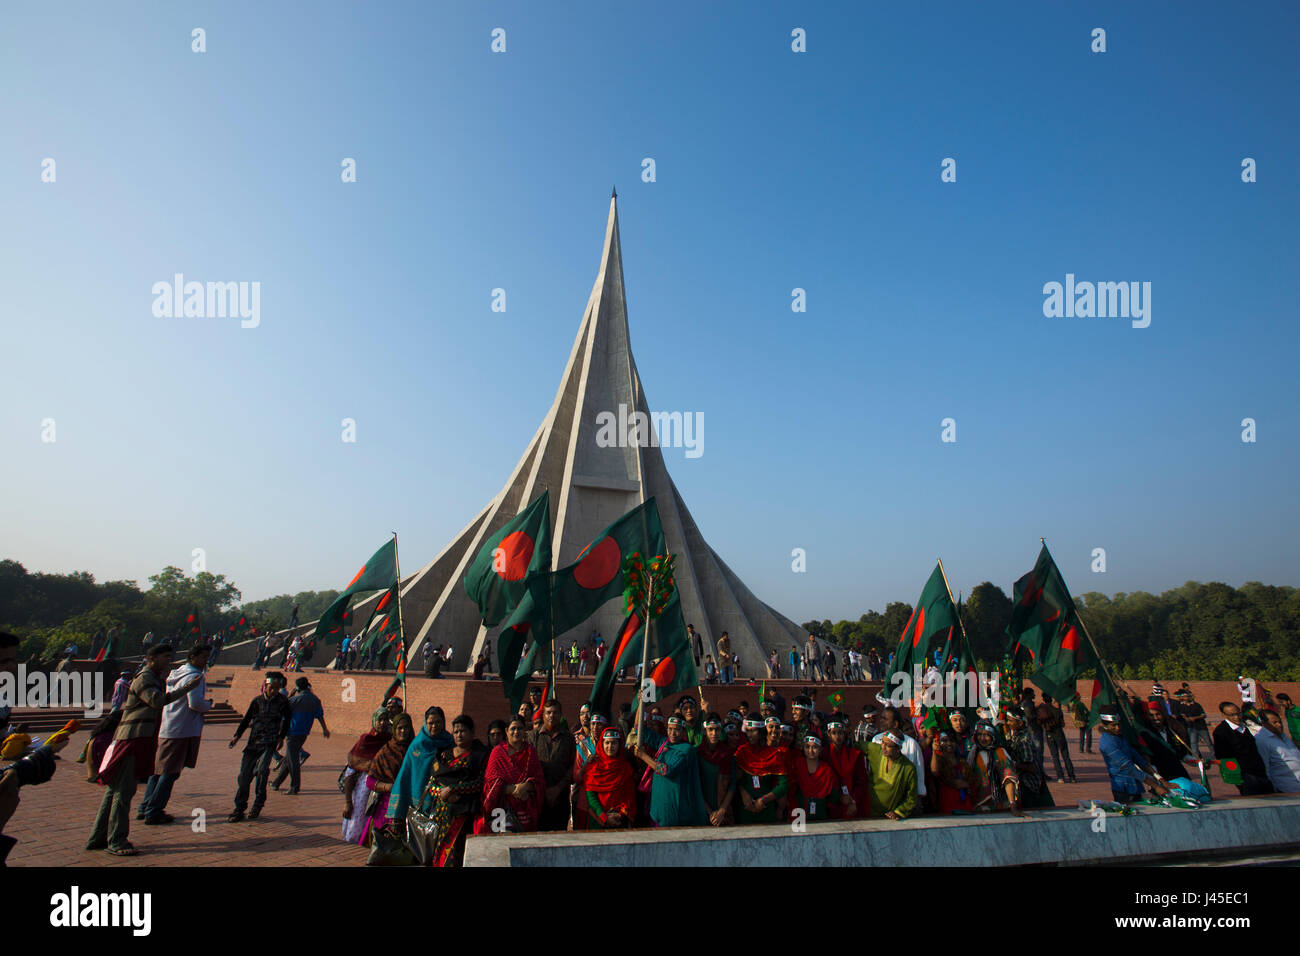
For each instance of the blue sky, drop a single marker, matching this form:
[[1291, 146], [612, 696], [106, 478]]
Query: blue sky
[[775, 170]]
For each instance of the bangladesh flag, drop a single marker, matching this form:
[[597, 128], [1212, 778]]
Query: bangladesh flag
[[578, 591], [669, 645], [376, 574], [936, 718], [525, 644], [928, 629], [624, 652], [497, 580], [1045, 627], [234, 630], [957, 655], [107, 651], [382, 620], [558, 601], [191, 626]]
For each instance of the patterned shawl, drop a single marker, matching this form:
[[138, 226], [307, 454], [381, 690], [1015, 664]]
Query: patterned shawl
[[505, 769], [384, 766]]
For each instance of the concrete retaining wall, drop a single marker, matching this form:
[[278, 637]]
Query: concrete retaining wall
[[1049, 837]]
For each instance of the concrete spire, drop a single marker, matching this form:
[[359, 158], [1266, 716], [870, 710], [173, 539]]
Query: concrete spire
[[590, 486]]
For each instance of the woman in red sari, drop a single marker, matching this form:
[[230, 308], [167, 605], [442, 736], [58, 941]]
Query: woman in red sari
[[609, 784], [850, 769], [815, 784], [761, 776], [513, 786]]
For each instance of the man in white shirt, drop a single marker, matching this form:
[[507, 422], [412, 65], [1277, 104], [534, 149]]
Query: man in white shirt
[[911, 749], [179, 732], [1281, 757]]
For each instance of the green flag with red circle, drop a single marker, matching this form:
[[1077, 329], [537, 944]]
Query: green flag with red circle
[[558, 601], [497, 580], [379, 573], [1045, 629], [383, 623], [928, 629]]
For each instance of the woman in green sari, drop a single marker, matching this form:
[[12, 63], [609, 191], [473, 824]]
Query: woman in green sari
[[675, 798], [892, 789]]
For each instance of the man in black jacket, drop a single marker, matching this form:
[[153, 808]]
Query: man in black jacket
[[267, 722], [1232, 741], [1166, 739]]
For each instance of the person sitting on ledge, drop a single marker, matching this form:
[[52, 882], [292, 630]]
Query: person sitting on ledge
[[1129, 772], [1233, 741], [1281, 757]]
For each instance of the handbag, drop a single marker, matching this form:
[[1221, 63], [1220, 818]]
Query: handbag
[[421, 836], [344, 774], [388, 850]]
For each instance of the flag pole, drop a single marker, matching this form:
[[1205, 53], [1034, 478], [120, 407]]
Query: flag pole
[[550, 602], [645, 651], [955, 606], [401, 629]]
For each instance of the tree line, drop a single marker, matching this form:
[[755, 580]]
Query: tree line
[[1195, 632], [1198, 631], [49, 611]]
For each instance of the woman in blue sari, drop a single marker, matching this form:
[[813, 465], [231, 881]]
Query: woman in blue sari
[[417, 765]]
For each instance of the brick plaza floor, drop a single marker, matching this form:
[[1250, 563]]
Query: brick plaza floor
[[53, 821]]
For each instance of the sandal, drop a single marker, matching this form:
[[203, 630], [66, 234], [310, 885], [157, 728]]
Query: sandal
[[125, 849]]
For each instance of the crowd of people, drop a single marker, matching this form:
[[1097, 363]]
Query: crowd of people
[[413, 793], [1254, 744], [687, 766]]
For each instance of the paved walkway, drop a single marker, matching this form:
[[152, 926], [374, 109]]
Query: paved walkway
[[53, 821]]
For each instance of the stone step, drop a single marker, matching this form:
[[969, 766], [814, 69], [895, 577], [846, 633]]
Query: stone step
[[41, 721]]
